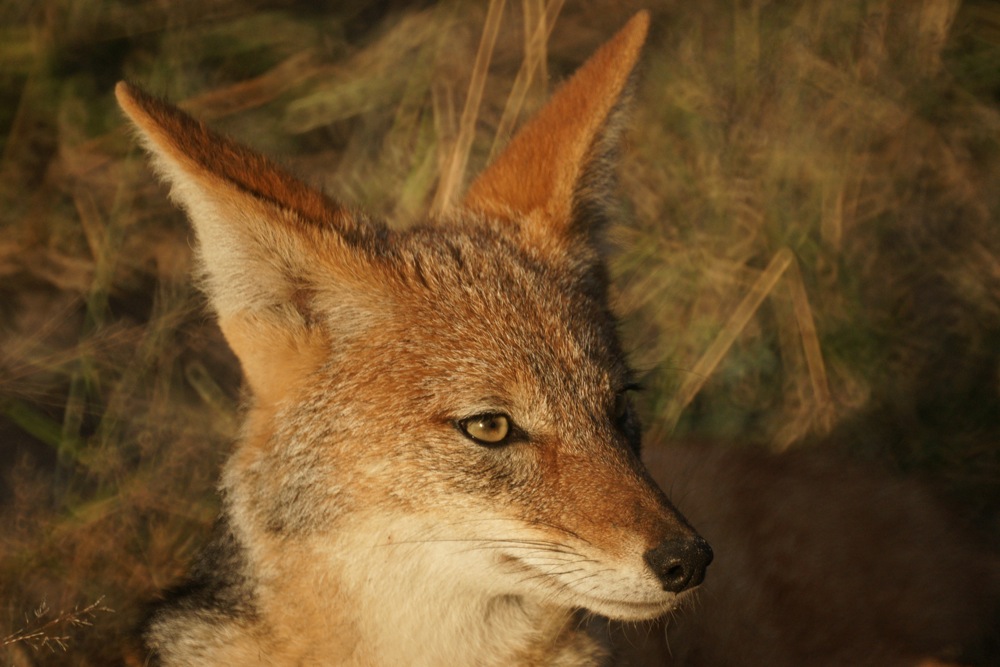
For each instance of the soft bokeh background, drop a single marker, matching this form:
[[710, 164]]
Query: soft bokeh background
[[809, 254]]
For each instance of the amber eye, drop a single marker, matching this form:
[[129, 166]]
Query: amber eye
[[488, 429]]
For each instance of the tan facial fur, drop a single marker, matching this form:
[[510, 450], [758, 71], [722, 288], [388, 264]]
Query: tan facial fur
[[361, 524]]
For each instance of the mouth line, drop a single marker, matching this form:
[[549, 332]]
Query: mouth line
[[650, 609], [593, 602]]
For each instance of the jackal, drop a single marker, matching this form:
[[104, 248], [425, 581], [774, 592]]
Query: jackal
[[439, 464]]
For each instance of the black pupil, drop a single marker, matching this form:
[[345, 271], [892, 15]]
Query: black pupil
[[490, 425]]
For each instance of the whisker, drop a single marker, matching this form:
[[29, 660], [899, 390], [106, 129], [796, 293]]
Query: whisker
[[541, 575], [554, 546]]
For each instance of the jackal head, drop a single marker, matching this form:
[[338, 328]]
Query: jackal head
[[453, 397]]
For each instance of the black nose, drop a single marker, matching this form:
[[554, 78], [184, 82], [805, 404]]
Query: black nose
[[679, 564]]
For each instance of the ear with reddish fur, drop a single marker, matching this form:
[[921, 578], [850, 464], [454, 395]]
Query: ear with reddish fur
[[267, 243], [556, 176]]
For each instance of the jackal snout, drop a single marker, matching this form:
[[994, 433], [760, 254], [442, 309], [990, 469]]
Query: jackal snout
[[628, 523], [680, 564]]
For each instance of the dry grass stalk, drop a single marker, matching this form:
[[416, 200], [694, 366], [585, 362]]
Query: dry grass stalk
[[535, 16], [735, 323], [453, 176], [531, 74], [43, 631], [823, 407], [242, 96]]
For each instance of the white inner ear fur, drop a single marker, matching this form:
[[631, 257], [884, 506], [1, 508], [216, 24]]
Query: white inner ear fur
[[252, 259]]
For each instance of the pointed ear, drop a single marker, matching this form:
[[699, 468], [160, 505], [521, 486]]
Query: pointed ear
[[265, 239], [556, 177]]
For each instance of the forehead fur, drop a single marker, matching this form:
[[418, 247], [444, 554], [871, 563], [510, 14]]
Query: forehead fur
[[480, 307]]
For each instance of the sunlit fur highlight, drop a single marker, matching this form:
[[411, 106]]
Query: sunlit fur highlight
[[359, 525]]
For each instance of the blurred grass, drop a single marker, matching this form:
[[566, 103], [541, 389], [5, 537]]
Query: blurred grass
[[810, 254]]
